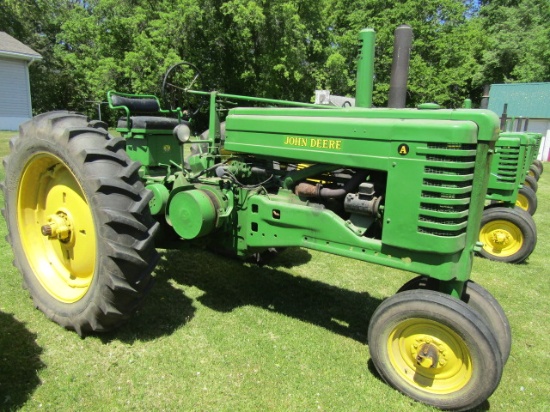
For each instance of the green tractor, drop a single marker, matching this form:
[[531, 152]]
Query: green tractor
[[508, 231], [403, 188], [533, 167]]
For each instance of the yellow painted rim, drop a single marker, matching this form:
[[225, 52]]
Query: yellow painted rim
[[49, 196], [501, 237], [522, 201], [453, 368]]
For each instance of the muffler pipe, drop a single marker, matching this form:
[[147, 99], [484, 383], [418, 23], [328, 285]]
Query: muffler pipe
[[400, 66]]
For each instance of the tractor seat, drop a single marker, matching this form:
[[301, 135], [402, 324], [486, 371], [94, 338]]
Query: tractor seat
[[148, 122], [142, 112]]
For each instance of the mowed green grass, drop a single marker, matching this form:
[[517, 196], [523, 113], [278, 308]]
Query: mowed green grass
[[220, 335]]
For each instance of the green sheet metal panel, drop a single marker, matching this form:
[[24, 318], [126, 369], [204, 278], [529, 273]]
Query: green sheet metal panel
[[530, 100], [432, 205]]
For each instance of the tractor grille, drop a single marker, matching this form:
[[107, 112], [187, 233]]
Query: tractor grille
[[446, 188], [509, 159]]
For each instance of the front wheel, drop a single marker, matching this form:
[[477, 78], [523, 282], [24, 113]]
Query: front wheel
[[435, 349], [531, 183], [482, 302], [508, 234], [534, 171], [527, 200], [539, 165], [78, 222]]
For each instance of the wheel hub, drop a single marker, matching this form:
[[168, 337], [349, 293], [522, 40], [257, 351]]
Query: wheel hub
[[59, 226], [429, 352], [500, 237]]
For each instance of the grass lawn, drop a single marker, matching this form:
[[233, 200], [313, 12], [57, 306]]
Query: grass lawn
[[219, 335]]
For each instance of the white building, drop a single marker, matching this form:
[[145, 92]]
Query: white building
[[15, 90]]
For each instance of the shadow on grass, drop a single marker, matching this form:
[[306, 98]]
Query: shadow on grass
[[227, 284], [165, 310], [19, 363]]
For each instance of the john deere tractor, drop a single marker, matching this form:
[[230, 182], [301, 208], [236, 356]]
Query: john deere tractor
[[508, 231], [403, 188]]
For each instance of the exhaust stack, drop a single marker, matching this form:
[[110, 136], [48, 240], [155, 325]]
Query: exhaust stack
[[400, 66]]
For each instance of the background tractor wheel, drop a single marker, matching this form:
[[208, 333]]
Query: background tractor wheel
[[508, 234], [78, 222], [534, 171], [527, 200], [531, 183], [539, 165], [435, 349], [483, 303]]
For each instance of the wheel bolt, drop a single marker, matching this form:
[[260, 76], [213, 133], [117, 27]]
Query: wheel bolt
[[46, 230], [57, 227]]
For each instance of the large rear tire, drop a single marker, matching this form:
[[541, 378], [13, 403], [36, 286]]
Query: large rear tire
[[78, 222], [435, 349]]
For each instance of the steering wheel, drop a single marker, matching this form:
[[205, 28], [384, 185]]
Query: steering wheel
[[176, 95]]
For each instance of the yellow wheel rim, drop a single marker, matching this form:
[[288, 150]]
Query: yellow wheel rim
[[430, 356], [522, 201], [56, 227], [501, 237]]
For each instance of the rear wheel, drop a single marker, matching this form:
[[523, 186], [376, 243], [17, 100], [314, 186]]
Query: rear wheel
[[435, 349], [78, 222], [508, 234], [527, 200], [482, 302]]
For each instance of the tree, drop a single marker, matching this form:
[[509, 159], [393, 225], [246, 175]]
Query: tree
[[275, 48], [446, 45], [518, 45], [37, 23]]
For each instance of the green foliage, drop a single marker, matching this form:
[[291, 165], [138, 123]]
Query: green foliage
[[275, 48], [518, 44], [445, 48]]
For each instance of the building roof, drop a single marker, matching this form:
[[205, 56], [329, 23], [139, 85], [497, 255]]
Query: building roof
[[530, 100], [10, 47]]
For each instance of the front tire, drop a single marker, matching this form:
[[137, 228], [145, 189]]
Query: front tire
[[508, 234], [482, 302], [78, 222], [534, 171], [539, 165], [435, 349], [527, 200], [531, 183]]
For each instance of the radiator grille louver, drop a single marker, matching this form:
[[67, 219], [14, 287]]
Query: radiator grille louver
[[509, 159], [446, 189]]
